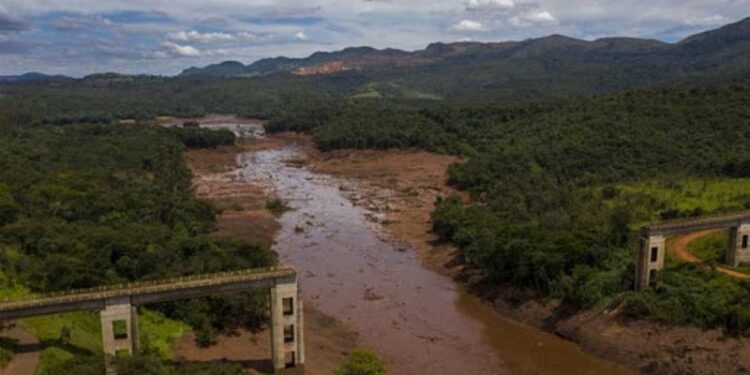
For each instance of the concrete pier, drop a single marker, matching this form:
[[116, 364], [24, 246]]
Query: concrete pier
[[119, 321], [287, 340], [739, 245], [650, 260]]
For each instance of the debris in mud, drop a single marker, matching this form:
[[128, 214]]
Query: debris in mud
[[429, 338], [299, 229], [370, 295], [372, 218], [402, 249], [296, 163], [277, 206]]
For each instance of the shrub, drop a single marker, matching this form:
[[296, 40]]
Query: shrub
[[361, 362], [277, 206]]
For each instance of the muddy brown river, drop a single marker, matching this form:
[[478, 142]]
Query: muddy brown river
[[419, 321]]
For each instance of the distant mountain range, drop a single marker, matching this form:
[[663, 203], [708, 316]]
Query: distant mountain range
[[29, 77], [529, 68], [730, 41], [468, 72]]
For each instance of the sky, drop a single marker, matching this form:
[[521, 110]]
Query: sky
[[80, 37]]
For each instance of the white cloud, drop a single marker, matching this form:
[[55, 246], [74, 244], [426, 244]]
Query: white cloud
[[713, 20], [69, 23], [536, 18], [489, 4], [195, 36], [469, 26], [246, 35], [301, 36], [181, 50], [542, 17]]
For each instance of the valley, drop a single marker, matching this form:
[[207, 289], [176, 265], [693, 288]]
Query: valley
[[365, 242]]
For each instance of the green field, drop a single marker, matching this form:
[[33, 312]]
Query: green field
[[653, 200]]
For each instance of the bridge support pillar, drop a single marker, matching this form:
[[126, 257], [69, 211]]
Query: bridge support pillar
[[739, 245], [119, 321], [649, 260], [287, 340]]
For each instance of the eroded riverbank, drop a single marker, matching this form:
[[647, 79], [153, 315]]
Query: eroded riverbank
[[373, 280]]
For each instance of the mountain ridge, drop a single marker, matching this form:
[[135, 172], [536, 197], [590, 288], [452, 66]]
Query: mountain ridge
[[29, 77], [365, 58]]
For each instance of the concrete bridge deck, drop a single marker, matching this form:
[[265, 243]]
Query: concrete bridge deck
[[146, 292], [687, 225]]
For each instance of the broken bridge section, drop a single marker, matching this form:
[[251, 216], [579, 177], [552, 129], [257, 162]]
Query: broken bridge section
[[650, 257], [117, 306]]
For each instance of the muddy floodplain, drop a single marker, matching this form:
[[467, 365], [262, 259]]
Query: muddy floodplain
[[420, 321]]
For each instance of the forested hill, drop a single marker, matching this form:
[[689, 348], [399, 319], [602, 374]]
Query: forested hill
[[531, 68]]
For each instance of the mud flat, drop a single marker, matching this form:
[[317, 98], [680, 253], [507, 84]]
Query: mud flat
[[421, 321]]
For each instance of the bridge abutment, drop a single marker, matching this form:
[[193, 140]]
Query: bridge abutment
[[739, 245], [287, 340], [119, 320], [650, 260]]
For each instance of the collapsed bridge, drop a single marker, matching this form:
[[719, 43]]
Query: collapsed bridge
[[117, 306], [650, 258]]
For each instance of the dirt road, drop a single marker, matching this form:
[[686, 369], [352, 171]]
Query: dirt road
[[679, 247], [24, 362]]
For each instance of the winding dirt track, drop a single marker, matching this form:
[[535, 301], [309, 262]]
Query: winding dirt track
[[678, 246]]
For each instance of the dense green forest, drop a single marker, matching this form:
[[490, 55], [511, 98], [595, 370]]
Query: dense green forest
[[560, 189], [90, 205], [105, 98]]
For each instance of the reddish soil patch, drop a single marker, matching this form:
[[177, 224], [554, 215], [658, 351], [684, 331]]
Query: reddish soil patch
[[243, 213], [404, 185], [24, 362], [654, 348], [327, 342]]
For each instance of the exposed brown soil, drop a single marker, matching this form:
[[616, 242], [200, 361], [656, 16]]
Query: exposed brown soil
[[679, 246], [244, 217], [327, 342], [405, 184], [656, 349], [26, 358]]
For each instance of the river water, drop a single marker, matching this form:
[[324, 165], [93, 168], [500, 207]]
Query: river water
[[420, 321]]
